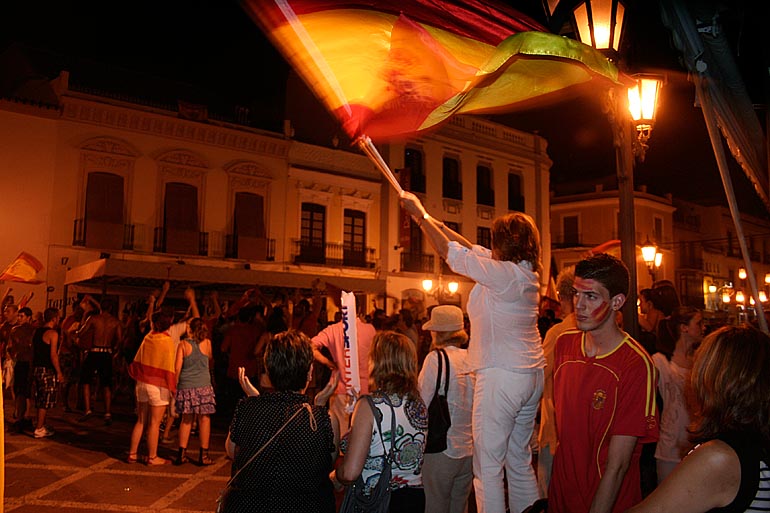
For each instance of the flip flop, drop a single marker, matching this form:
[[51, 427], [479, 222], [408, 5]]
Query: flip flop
[[157, 460]]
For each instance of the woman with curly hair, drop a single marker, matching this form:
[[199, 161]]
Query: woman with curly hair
[[728, 471], [394, 391], [505, 352]]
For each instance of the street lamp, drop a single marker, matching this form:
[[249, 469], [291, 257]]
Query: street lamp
[[439, 291], [651, 257], [642, 103], [600, 23], [741, 273]]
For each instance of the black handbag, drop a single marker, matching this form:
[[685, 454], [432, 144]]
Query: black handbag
[[378, 500], [438, 411]]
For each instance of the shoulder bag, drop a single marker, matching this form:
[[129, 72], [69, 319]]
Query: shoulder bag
[[439, 420], [378, 501]]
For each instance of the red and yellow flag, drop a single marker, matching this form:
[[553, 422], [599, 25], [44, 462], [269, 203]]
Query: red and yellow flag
[[24, 269], [392, 67]]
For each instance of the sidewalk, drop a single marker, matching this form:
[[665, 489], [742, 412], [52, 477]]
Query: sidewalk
[[81, 469]]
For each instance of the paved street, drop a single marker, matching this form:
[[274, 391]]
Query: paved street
[[81, 468]]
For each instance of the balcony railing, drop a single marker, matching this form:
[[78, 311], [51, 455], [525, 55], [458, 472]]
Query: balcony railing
[[417, 262], [185, 242], [103, 235], [331, 254], [249, 248]]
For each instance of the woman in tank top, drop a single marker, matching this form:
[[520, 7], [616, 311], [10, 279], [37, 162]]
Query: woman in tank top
[[194, 393]]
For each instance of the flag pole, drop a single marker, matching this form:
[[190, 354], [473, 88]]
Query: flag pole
[[366, 145]]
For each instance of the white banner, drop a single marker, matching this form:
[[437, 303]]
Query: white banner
[[352, 377]]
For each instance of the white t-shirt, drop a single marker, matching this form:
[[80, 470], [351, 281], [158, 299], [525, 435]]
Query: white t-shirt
[[673, 444]]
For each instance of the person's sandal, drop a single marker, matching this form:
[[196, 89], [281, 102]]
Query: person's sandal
[[156, 460], [132, 458], [204, 458], [181, 457]]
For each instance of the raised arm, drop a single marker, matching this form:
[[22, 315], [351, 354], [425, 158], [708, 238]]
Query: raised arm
[[438, 234]]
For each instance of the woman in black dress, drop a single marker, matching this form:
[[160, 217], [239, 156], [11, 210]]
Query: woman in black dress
[[291, 473]]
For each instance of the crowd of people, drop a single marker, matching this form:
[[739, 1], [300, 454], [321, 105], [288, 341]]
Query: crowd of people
[[678, 420]]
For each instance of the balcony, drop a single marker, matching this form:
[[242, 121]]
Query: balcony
[[567, 240], [417, 263], [102, 235], [249, 248], [182, 242], [331, 254]]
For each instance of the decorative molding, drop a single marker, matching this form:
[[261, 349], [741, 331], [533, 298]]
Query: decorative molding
[[121, 118], [453, 206], [109, 145], [183, 158], [92, 162], [245, 182], [247, 168], [485, 212]]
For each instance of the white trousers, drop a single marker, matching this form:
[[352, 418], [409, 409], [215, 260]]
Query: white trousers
[[504, 409]]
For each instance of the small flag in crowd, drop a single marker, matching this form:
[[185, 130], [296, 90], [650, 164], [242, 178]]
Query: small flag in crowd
[[24, 269]]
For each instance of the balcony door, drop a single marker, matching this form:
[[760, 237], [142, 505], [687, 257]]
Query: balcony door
[[104, 210], [313, 233], [180, 219], [354, 250], [249, 226]]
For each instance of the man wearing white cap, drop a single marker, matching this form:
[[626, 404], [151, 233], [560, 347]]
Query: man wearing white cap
[[448, 475]]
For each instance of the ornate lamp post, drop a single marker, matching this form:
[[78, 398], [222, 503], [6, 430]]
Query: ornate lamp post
[[600, 23], [652, 257], [440, 292]]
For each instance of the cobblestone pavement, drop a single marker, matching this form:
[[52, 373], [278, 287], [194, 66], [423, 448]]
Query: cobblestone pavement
[[82, 469]]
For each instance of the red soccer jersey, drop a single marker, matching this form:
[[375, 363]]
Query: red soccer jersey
[[596, 398]]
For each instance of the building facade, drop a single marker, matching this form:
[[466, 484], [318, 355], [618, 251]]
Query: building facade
[[115, 197]]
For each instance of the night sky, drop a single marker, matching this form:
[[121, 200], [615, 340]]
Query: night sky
[[210, 48]]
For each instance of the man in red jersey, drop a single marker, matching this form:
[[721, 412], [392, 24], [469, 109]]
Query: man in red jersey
[[604, 397]]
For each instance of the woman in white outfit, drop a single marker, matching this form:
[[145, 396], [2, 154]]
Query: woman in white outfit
[[505, 351], [685, 330], [447, 476]]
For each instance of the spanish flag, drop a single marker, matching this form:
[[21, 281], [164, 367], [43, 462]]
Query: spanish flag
[[395, 67], [24, 269]]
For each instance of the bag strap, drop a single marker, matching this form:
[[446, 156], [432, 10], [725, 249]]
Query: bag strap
[[375, 411], [304, 406], [441, 353]]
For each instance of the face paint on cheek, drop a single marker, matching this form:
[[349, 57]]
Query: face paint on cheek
[[601, 312]]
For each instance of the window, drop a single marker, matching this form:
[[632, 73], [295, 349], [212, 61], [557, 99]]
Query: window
[[354, 238], [570, 231], [484, 236], [485, 194], [452, 188], [515, 198], [415, 172], [313, 233], [180, 219], [249, 226], [657, 230], [104, 211]]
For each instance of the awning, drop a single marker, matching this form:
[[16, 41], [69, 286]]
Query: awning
[[124, 276]]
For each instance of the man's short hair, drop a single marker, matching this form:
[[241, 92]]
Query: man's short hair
[[50, 314], [26, 311], [611, 272], [161, 321]]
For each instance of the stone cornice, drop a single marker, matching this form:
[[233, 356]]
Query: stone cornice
[[123, 118]]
